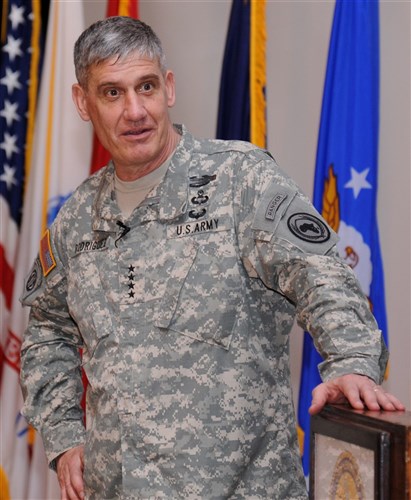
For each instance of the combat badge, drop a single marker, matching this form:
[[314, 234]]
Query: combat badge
[[201, 180]]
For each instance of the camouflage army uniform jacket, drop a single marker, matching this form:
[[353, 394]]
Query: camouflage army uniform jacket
[[184, 324]]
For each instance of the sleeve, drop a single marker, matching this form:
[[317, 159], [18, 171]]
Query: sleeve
[[50, 356], [292, 250]]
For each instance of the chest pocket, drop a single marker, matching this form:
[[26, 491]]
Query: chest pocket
[[88, 300], [204, 304]]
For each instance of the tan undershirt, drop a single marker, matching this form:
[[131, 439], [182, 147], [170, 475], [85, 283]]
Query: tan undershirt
[[130, 194]]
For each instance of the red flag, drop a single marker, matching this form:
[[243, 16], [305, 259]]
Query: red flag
[[114, 8], [122, 8]]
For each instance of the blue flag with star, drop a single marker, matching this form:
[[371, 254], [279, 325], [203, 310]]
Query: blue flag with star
[[346, 175]]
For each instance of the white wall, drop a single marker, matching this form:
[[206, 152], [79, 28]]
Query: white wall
[[193, 34]]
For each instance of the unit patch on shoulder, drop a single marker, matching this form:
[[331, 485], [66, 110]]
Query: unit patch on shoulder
[[309, 228], [47, 260], [34, 278]]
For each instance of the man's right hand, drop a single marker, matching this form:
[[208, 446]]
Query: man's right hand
[[70, 465]]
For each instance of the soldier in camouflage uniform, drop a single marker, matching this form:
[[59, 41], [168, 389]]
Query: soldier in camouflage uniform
[[182, 306]]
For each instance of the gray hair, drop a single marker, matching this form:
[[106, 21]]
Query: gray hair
[[116, 36]]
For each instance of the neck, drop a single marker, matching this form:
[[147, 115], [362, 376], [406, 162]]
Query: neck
[[131, 173]]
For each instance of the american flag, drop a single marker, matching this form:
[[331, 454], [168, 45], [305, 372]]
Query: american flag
[[59, 163], [19, 67], [18, 92]]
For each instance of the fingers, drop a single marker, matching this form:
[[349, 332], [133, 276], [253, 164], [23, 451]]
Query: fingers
[[376, 398], [322, 394], [70, 474], [398, 405], [359, 391], [317, 404], [352, 389], [73, 488]]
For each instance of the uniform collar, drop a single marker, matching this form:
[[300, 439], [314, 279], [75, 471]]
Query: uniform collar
[[172, 192], [105, 211]]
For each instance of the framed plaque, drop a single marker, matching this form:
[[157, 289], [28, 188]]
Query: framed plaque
[[360, 455]]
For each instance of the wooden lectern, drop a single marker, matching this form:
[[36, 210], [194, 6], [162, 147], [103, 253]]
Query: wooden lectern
[[360, 455]]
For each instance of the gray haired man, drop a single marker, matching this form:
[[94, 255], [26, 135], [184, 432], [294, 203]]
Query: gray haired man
[[178, 270]]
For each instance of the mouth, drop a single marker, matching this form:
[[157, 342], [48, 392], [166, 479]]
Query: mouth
[[137, 133]]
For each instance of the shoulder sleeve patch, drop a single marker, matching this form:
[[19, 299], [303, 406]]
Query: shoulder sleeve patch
[[284, 214], [271, 208], [33, 282], [308, 227], [305, 228], [43, 273], [48, 262]]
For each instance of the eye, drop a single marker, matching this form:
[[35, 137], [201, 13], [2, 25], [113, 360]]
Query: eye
[[146, 87], [112, 93]]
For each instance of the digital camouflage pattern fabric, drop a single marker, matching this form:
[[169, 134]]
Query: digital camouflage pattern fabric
[[184, 324]]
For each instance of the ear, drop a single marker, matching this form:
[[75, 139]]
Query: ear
[[80, 100], [170, 88]]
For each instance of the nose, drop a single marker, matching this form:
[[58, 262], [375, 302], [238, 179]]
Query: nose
[[134, 109]]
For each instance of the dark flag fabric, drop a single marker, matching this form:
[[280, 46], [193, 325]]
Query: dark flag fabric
[[346, 175], [242, 101]]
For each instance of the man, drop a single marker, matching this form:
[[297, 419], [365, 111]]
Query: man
[[178, 270]]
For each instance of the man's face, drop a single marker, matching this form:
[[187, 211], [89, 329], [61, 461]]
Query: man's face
[[127, 101]]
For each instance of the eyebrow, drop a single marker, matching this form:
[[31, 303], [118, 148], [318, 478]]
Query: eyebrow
[[116, 83]]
